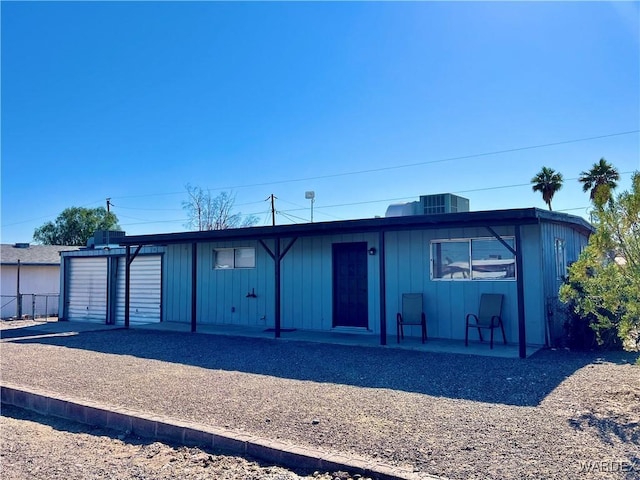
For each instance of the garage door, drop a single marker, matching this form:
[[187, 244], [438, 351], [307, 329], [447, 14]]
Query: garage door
[[87, 289], [145, 289]]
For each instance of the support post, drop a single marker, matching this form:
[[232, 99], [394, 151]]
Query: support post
[[127, 285], [18, 296], [112, 281], [278, 258], [127, 281], [501, 240], [522, 336], [383, 289], [63, 306], [194, 284]]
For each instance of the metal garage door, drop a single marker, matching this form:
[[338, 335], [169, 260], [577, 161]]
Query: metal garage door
[[145, 289], [87, 289]]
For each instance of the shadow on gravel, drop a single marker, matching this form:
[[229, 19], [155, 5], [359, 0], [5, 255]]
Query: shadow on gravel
[[69, 426], [22, 332], [611, 431], [483, 379]]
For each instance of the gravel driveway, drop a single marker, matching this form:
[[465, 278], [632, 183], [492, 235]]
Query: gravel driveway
[[555, 415]]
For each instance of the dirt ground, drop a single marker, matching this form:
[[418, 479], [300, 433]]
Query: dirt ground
[[33, 446]]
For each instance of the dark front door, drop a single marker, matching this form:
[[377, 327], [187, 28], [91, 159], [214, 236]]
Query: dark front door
[[350, 299]]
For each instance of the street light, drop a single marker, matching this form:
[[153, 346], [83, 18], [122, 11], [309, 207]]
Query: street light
[[310, 195]]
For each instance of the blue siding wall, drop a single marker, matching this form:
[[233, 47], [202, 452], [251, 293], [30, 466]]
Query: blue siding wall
[[535, 320], [446, 302], [307, 282], [177, 284], [575, 242], [222, 294]]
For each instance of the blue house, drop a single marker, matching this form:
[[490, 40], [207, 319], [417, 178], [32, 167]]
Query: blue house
[[350, 275]]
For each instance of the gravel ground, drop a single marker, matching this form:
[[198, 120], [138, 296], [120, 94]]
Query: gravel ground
[[37, 447], [557, 414]]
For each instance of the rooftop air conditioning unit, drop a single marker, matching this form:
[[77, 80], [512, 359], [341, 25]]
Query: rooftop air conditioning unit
[[106, 237], [443, 203]]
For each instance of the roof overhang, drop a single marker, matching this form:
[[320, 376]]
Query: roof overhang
[[29, 264], [493, 218]]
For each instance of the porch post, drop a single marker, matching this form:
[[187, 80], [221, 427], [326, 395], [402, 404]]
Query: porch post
[[112, 287], [383, 289], [127, 285], [18, 296], [277, 258], [522, 338], [194, 284]]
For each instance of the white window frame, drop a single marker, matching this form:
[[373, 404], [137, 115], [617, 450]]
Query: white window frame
[[236, 253], [467, 275]]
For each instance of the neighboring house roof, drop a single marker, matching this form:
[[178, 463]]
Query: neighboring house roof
[[32, 254], [522, 216]]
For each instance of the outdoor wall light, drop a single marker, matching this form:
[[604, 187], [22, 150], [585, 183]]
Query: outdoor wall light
[[372, 251]]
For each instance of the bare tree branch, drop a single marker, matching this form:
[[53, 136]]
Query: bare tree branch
[[213, 213]]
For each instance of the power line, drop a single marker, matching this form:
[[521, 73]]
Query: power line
[[572, 209], [364, 202], [47, 216], [149, 209], [407, 165], [385, 200], [291, 217], [155, 221], [427, 162], [294, 204]]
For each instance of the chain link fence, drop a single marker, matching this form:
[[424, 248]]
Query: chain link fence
[[43, 306]]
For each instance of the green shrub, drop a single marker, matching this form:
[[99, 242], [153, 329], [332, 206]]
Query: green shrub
[[603, 286]]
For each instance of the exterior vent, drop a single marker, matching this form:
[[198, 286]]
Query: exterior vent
[[21, 245], [402, 209]]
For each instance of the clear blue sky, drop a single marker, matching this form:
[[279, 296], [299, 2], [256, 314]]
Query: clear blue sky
[[365, 103]]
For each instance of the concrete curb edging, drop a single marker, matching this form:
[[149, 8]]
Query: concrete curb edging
[[167, 429]]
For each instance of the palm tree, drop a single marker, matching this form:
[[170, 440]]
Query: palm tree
[[547, 182], [602, 174]]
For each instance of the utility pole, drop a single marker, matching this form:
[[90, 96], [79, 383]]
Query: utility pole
[[273, 209], [108, 204]]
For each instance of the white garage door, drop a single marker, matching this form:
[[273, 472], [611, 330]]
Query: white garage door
[[145, 290], [87, 289]]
